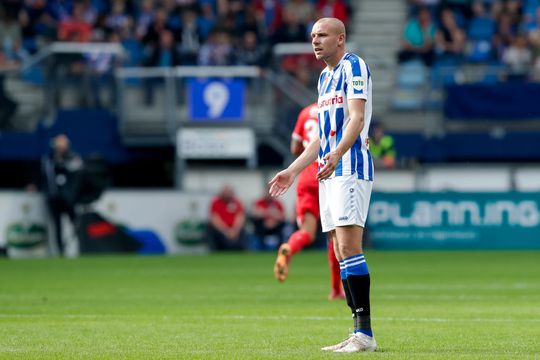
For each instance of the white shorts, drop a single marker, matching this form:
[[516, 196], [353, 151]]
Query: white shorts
[[344, 200]]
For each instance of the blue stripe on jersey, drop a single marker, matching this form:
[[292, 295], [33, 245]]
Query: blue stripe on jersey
[[340, 116], [327, 129], [321, 79], [357, 149], [353, 159], [329, 86], [370, 166], [320, 124], [368, 72], [340, 81], [320, 137], [355, 64]]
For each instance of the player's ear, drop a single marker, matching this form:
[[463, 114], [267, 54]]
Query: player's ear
[[341, 39]]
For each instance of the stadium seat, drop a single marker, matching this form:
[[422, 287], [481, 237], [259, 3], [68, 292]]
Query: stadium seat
[[411, 82], [481, 29]]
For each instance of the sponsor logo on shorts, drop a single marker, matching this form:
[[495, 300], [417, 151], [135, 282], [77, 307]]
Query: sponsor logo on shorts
[[343, 218]]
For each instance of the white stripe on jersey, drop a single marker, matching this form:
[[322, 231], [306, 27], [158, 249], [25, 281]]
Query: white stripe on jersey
[[350, 79]]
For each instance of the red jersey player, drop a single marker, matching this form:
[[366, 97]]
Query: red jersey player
[[307, 205]]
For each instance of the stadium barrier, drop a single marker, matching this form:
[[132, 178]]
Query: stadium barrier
[[438, 208], [455, 220]]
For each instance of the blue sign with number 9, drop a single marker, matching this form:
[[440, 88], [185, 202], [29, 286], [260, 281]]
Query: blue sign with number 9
[[216, 100]]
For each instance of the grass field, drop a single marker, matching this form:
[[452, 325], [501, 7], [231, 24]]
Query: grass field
[[425, 305]]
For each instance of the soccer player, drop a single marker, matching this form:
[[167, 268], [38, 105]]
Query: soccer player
[[307, 206], [345, 169]]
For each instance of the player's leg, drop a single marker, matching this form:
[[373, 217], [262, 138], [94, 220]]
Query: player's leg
[[349, 233], [298, 240], [327, 223], [343, 279], [336, 287], [358, 282]]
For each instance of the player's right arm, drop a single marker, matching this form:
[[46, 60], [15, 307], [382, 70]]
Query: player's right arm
[[284, 179]]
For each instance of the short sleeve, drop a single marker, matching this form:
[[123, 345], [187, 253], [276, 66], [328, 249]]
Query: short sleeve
[[356, 78]]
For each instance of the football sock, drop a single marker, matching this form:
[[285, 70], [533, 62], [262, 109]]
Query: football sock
[[335, 271], [299, 240], [359, 282], [347, 290]]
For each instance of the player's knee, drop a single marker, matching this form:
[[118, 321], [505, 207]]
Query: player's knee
[[347, 250]]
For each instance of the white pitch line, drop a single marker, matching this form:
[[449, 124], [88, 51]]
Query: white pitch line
[[270, 317], [416, 319]]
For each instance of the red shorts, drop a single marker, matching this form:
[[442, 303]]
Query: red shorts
[[307, 193]]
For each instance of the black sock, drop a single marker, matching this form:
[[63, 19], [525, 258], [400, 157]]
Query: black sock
[[359, 289], [349, 298]]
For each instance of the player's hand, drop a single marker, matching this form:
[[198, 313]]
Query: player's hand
[[330, 162], [281, 182]]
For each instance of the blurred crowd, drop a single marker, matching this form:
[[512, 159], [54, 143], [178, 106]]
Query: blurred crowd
[[166, 32], [493, 32]]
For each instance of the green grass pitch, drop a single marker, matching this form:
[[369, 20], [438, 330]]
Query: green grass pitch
[[425, 305]]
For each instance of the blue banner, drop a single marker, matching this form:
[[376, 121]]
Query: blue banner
[[216, 100], [455, 220], [505, 101]]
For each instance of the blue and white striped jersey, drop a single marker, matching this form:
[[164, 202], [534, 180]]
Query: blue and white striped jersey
[[350, 79]]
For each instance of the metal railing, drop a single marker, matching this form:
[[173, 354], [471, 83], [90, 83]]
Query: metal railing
[[152, 103]]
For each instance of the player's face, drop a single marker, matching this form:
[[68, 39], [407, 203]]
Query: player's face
[[325, 40]]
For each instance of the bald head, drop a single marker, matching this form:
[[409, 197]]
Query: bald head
[[328, 40], [333, 24]]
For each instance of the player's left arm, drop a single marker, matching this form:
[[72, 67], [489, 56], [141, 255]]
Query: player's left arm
[[350, 135]]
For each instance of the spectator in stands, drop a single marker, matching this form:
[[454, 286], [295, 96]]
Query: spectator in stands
[[462, 8], [292, 30], [333, 8], [304, 9], [190, 38], [101, 66], [151, 39], [480, 33], [271, 11], [418, 38], [533, 31], [144, 18], [164, 55], [518, 58], [450, 38], [505, 33], [514, 10], [268, 215], [217, 50], [8, 106], [11, 37], [35, 22], [118, 18], [207, 20], [381, 146], [76, 27], [250, 52], [432, 5], [227, 221]]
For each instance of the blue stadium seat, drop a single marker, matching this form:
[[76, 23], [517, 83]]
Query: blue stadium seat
[[412, 74], [480, 51], [411, 83], [481, 29]]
